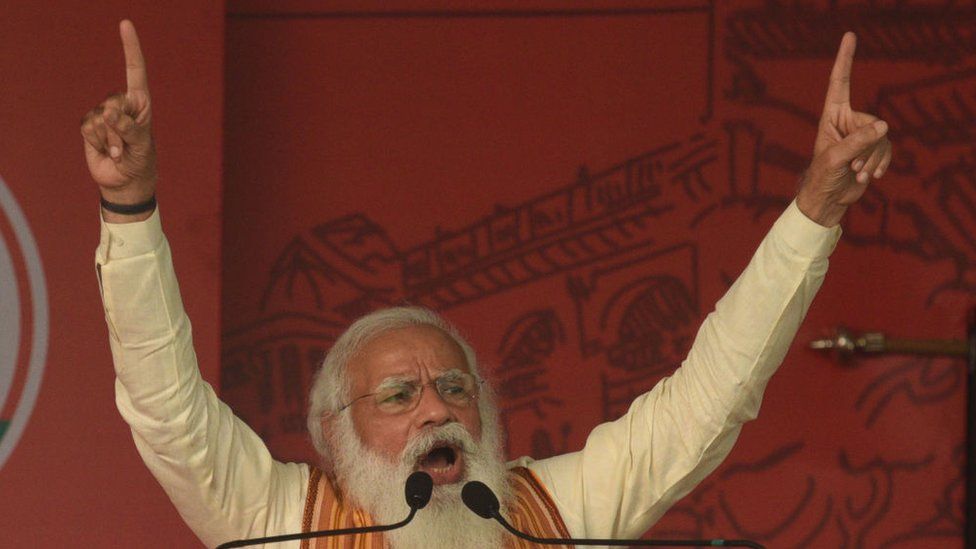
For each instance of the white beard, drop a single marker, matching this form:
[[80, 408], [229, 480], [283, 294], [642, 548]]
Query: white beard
[[376, 483]]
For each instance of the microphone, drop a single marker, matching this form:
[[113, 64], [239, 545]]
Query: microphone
[[417, 492], [480, 499]]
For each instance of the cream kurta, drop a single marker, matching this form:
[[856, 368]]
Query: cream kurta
[[226, 486]]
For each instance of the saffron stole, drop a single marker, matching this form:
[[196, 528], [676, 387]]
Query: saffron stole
[[532, 511]]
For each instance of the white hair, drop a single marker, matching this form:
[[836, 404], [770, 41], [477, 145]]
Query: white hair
[[374, 481], [330, 389]]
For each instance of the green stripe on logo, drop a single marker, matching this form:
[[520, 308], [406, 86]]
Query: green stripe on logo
[[3, 427]]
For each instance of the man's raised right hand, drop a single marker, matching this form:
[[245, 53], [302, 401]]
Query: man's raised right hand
[[118, 138]]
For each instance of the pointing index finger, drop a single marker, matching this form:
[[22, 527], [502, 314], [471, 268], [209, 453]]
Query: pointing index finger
[[135, 65], [839, 91]]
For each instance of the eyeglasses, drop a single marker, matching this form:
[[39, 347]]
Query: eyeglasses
[[397, 396]]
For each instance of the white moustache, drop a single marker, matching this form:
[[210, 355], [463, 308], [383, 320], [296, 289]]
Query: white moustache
[[425, 441]]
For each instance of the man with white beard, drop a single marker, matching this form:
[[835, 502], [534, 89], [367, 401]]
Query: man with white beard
[[395, 341], [400, 390]]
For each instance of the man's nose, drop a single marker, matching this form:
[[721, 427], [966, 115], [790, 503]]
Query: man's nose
[[432, 410]]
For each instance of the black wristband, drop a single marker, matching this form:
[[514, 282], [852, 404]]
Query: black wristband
[[130, 209]]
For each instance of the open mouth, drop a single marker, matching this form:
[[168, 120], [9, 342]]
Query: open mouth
[[444, 463], [440, 459]]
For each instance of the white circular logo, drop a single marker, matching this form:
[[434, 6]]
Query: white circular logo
[[23, 322]]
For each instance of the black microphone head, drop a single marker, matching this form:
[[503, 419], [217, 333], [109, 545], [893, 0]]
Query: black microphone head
[[480, 499], [418, 489]]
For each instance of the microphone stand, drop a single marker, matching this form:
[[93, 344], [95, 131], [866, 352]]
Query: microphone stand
[[319, 533], [478, 497], [417, 491], [627, 542]]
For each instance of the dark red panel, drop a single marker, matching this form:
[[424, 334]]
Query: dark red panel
[[575, 187], [73, 478]]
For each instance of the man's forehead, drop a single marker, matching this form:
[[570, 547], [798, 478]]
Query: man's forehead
[[407, 352]]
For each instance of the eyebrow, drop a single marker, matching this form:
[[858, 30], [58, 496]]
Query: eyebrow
[[453, 373], [394, 381]]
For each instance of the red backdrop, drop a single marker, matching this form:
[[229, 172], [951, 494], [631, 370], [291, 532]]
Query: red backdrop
[[573, 183], [73, 477]]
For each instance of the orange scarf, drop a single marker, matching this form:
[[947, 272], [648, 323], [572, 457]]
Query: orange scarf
[[532, 511]]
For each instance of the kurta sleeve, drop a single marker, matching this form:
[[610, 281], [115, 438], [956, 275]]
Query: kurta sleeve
[[215, 469], [633, 469]]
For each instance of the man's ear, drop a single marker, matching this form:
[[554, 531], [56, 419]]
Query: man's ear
[[328, 425], [329, 431]]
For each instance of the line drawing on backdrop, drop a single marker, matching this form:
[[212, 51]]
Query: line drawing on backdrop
[[618, 250]]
